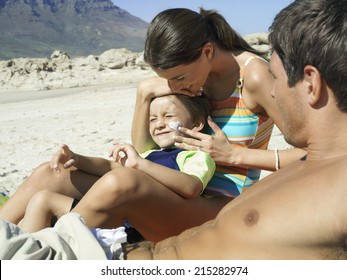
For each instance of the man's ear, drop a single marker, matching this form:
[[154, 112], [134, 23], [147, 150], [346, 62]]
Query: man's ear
[[198, 126], [313, 80]]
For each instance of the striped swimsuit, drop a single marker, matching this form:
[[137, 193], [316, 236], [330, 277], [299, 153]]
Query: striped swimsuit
[[245, 129]]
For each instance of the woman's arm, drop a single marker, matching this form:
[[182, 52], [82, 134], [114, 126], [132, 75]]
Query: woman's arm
[[146, 91], [261, 159], [225, 153]]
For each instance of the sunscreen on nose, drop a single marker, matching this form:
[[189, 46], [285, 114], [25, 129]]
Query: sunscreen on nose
[[175, 125]]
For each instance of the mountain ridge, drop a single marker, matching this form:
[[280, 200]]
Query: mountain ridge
[[35, 28]]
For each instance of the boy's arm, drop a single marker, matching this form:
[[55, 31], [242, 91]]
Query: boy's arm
[[196, 170], [94, 165], [186, 185]]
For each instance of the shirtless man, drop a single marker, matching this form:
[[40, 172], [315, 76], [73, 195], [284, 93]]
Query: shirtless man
[[300, 211]]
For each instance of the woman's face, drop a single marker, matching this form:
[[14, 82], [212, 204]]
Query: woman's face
[[188, 79], [163, 111]]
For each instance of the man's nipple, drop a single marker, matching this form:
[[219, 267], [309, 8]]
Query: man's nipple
[[251, 218]]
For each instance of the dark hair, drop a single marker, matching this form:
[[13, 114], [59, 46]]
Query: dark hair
[[314, 32], [198, 107], [177, 36]]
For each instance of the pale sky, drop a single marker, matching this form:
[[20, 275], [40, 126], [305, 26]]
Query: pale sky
[[245, 16]]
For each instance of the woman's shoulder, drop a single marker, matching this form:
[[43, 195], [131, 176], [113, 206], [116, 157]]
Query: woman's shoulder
[[256, 73], [257, 84]]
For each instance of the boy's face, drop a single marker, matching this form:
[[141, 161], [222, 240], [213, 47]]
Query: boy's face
[[163, 111]]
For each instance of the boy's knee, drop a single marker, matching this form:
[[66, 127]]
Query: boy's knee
[[42, 169], [43, 173], [45, 169], [41, 198], [43, 177]]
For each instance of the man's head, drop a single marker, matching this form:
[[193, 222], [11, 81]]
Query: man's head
[[314, 32]]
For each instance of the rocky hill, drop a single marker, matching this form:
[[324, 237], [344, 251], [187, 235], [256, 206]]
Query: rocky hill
[[35, 28], [60, 70]]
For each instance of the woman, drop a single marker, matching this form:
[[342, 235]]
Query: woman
[[194, 52]]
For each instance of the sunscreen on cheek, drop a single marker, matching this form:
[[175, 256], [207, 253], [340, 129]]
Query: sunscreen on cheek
[[175, 125]]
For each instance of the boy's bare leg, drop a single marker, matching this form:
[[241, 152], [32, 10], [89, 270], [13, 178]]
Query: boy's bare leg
[[43, 208], [153, 209], [71, 182]]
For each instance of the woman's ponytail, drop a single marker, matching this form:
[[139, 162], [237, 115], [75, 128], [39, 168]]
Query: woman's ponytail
[[226, 37]]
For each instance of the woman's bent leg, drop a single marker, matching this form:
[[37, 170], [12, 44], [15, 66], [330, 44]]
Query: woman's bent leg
[[70, 182], [153, 209]]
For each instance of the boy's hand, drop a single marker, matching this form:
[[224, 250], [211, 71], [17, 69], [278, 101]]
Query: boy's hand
[[64, 156], [125, 154]]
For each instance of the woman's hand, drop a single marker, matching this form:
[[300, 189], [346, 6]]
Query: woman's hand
[[125, 154], [217, 145], [64, 156]]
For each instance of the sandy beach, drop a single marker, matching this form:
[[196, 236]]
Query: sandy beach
[[34, 123]]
